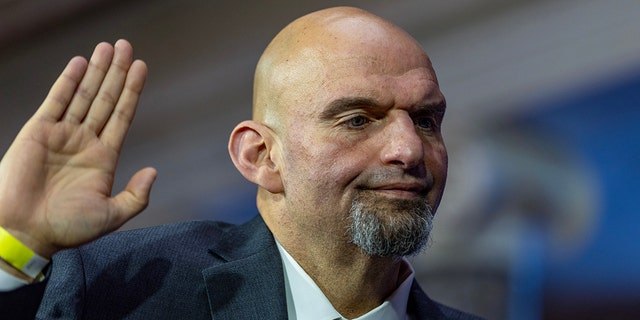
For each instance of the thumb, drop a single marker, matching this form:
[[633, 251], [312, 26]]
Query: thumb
[[135, 197]]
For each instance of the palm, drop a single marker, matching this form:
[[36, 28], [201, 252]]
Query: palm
[[56, 178], [71, 170]]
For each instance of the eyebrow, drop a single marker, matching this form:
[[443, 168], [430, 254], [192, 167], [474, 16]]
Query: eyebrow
[[341, 105], [436, 107], [338, 106]]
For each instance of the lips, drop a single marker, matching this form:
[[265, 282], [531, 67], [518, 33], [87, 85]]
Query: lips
[[404, 189], [394, 182]]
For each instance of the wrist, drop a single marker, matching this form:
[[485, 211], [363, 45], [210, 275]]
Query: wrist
[[9, 269], [18, 259]]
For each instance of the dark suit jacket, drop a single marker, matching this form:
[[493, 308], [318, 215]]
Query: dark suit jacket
[[192, 270]]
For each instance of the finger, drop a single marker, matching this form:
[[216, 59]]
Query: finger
[[111, 88], [91, 82], [61, 92], [134, 198], [119, 122]]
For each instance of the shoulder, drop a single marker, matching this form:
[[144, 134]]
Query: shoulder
[[191, 233], [176, 233], [183, 243], [192, 241], [157, 239]]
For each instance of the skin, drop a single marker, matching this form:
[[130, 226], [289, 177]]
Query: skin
[[344, 102]]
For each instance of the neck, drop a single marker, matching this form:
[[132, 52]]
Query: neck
[[353, 282]]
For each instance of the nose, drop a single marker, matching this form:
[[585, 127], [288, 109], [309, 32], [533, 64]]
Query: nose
[[402, 145]]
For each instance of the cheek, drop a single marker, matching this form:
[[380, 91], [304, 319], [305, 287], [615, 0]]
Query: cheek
[[440, 161], [323, 165], [437, 164]]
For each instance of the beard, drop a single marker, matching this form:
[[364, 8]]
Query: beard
[[385, 227]]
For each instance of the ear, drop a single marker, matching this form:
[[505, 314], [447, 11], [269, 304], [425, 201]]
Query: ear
[[251, 150]]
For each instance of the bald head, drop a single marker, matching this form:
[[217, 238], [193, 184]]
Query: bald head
[[295, 65]]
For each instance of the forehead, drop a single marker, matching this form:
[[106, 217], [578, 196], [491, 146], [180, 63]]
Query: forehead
[[414, 88], [355, 58]]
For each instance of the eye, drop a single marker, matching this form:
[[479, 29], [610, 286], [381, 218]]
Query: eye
[[357, 121], [425, 123]]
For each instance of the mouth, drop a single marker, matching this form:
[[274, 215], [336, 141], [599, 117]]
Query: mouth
[[401, 190]]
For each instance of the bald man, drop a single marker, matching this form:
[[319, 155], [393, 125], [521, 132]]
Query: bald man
[[344, 145]]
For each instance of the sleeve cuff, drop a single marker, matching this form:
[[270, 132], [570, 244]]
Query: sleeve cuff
[[8, 282]]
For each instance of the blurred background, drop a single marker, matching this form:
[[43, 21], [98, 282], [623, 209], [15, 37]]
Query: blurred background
[[540, 219]]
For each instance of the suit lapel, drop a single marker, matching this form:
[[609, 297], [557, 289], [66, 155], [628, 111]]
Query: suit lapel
[[249, 284]]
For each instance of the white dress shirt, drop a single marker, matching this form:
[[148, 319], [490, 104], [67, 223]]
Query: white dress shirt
[[305, 300]]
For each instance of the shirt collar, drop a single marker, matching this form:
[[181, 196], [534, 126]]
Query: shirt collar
[[305, 300]]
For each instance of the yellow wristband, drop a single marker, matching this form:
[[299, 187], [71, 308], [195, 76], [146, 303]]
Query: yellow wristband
[[20, 256]]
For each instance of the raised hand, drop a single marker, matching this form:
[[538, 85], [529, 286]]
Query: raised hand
[[56, 178]]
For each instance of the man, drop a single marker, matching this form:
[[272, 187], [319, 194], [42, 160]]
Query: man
[[345, 147]]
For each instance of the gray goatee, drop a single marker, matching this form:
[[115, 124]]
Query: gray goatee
[[389, 227]]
